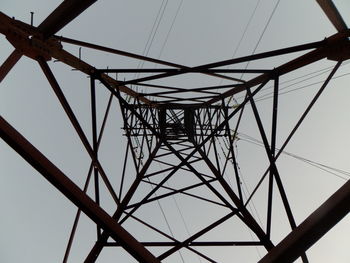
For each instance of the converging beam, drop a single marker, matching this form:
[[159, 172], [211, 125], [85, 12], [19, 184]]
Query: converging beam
[[333, 15], [9, 63], [62, 15], [335, 48], [58, 179], [312, 229]]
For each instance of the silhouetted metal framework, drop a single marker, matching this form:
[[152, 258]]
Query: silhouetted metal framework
[[182, 129]]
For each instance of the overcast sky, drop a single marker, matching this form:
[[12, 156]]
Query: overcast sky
[[36, 219]]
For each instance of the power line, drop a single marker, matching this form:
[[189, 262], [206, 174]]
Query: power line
[[246, 191], [165, 218], [152, 33], [268, 96], [319, 165], [263, 32], [315, 73], [170, 29], [260, 38], [244, 33]]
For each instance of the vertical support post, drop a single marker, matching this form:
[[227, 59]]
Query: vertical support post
[[97, 248], [31, 18], [273, 149], [272, 162], [56, 88], [297, 125], [274, 169], [77, 216], [94, 143], [211, 118], [128, 146], [232, 151]]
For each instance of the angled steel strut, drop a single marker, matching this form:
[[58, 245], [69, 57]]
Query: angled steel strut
[[72, 192], [174, 133]]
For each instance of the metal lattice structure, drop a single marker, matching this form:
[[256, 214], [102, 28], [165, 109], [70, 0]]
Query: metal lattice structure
[[180, 142]]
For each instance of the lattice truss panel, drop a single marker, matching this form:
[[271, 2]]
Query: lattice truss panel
[[180, 191]]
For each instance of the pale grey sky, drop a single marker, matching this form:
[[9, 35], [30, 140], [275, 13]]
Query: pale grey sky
[[36, 219]]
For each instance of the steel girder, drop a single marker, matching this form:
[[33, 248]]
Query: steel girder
[[312, 228], [41, 44], [58, 179]]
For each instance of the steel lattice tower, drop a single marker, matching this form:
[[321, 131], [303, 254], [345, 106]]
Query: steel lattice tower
[[180, 142]]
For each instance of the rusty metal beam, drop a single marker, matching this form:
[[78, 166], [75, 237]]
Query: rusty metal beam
[[333, 15], [30, 41], [335, 47], [258, 56], [58, 179], [136, 56], [62, 15], [312, 229], [247, 218], [9, 63]]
